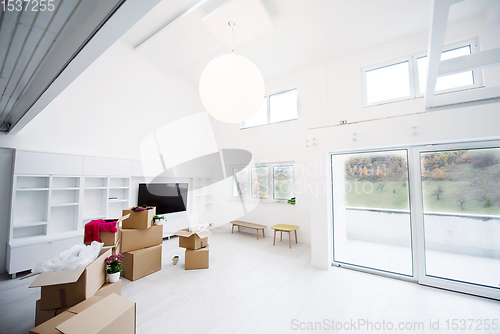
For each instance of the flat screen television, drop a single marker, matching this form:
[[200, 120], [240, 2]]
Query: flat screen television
[[167, 197]]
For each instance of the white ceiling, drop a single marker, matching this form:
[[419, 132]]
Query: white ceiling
[[36, 45], [306, 32]]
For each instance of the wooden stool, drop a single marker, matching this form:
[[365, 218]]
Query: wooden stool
[[285, 228]]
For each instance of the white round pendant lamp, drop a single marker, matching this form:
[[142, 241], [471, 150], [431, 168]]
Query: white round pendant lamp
[[231, 88]]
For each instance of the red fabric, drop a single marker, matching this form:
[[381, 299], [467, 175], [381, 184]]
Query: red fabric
[[108, 227], [92, 231]]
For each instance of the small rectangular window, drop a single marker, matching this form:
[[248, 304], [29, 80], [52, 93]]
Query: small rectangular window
[[463, 79], [406, 78], [240, 185], [283, 106], [388, 83], [283, 182], [260, 182], [260, 118], [275, 108]]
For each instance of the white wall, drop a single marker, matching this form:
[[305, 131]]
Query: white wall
[[281, 142], [109, 109], [6, 156]]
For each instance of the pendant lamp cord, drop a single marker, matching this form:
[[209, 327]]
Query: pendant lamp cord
[[232, 24]]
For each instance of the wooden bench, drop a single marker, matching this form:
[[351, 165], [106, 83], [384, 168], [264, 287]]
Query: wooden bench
[[256, 227]]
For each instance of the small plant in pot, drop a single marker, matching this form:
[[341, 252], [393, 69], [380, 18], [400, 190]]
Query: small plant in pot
[[114, 265], [157, 219], [175, 259]]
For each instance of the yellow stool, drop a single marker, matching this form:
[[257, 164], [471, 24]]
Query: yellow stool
[[285, 228]]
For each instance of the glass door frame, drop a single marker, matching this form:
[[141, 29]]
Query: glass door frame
[[416, 200], [416, 217], [380, 272]]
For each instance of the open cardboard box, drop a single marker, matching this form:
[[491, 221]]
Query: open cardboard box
[[42, 316], [108, 238], [193, 240], [67, 288], [134, 239], [140, 219], [109, 288], [111, 314]]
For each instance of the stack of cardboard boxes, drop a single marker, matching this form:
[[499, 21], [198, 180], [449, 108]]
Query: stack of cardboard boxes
[[196, 244], [141, 244], [60, 291]]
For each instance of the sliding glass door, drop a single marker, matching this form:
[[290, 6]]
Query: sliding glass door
[[460, 198], [372, 226], [439, 227]]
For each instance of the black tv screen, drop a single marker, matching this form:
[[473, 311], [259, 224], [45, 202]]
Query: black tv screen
[[167, 197]]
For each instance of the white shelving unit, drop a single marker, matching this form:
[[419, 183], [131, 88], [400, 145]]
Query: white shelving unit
[[104, 197], [55, 195], [45, 209]]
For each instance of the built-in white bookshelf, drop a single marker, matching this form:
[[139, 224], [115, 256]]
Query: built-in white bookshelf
[[44, 205], [104, 197]]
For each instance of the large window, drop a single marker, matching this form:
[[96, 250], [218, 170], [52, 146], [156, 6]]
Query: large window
[[267, 182], [372, 225], [406, 78], [430, 213], [275, 108]]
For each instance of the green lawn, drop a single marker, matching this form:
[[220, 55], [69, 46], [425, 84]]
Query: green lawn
[[394, 195]]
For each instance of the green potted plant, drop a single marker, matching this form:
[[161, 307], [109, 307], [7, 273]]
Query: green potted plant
[[114, 265], [157, 219], [175, 259]]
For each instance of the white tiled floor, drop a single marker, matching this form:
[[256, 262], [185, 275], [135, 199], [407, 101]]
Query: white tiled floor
[[253, 287]]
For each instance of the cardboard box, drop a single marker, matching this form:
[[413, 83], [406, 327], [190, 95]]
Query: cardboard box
[[139, 263], [110, 288], [133, 239], [42, 316], [108, 238], [196, 259], [112, 314], [140, 219], [192, 240], [67, 288], [116, 248]]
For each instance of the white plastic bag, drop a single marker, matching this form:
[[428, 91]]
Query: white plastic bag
[[76, 257], [199, 228]]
